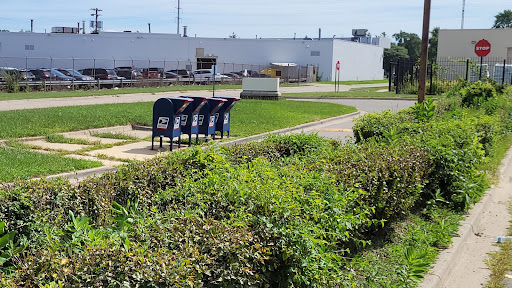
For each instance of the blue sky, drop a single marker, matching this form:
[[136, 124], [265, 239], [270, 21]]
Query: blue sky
[[248, 18]]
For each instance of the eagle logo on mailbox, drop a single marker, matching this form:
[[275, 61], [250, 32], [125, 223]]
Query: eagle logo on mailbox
[[163, 123]]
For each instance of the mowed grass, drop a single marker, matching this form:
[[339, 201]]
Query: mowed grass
[[19, 164], [249, 117], [93, 92]]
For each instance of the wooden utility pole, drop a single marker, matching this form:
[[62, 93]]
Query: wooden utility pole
[[424, 52]]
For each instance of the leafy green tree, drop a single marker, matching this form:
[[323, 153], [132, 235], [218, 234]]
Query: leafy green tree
[[409, 41], [432, 45], [503, 19], [393, 54]]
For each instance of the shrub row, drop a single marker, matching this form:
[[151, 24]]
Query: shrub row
[[286, 212]]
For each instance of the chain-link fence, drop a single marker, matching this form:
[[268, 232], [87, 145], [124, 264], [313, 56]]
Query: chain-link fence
[[229, 72], [443, 75]]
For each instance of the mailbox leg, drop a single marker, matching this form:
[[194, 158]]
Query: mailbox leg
[[152, 143], [189, 140], [197, 139], [160, 141], [179, 141]]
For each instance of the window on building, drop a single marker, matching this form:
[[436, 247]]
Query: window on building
[[29, 47], [315, 53]]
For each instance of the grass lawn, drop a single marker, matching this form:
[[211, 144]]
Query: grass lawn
[[83, 93], [16, 164], [249, 117]]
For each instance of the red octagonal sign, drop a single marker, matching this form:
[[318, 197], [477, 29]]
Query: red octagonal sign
[[482, 48]]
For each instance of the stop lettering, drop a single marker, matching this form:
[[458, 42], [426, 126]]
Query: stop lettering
[[482, 48]]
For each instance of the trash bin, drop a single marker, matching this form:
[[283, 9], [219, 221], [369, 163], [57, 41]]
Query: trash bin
[[190, 117], [207, 116], [224, 115], [167, 119]]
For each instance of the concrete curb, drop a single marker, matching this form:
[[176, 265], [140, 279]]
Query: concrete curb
[[81, 174], [467, 227]]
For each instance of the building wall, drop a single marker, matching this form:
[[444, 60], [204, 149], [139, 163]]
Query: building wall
[[459, 43], [358, 61], [171, 51]]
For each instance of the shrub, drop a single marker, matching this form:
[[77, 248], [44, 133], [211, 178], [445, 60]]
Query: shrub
[[477, 93]]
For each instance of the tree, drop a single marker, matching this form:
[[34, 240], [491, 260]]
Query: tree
[[393, 54], [503, 19], [411, 42], [432, 44]]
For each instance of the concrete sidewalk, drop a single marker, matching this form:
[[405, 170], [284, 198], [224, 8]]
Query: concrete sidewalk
[[23, 104]]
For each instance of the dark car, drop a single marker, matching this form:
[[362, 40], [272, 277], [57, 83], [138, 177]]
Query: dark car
[[101, 73], [184, 73], [49, 74], [152, 73], [128, 72], [172, 75], [75, 74]]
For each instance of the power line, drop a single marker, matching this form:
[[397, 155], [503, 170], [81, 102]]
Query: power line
[[96, 31]]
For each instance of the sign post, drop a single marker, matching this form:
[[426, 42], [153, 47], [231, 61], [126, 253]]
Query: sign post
[[482, 49], [214, 70], [337, 76]]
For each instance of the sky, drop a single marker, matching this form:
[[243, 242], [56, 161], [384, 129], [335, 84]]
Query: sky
[[252, 18]]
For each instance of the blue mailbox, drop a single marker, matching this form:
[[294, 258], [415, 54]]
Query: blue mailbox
[[167, 119], [190, 117], [224, 115], [207, 116]]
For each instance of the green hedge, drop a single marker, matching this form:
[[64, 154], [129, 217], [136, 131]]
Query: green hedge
[[291, 211]]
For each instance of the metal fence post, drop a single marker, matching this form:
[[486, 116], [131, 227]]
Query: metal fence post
[[467, 69], [390, 74], [26, 69], [503, 77], [73, 80], [397, 80]]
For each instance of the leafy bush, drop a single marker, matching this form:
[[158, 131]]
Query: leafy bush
[[477, 93]]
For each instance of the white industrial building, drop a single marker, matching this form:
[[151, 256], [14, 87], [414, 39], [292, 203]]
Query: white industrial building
[[358, 61]]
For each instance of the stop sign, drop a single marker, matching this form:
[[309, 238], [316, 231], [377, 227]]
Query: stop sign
[[482, 48], [338, 65]]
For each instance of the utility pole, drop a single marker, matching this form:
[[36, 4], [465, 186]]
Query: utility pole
[[463, 9], [96, 10], [424, 52], [178, 26]]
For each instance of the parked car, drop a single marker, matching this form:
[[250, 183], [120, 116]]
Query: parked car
[[171, 75], [27, 75], [101, 73], [13, 72], [184, 73], [206, 75], [128, 72], [232, 75], [49, 74], [152, 73], [75, 74]]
